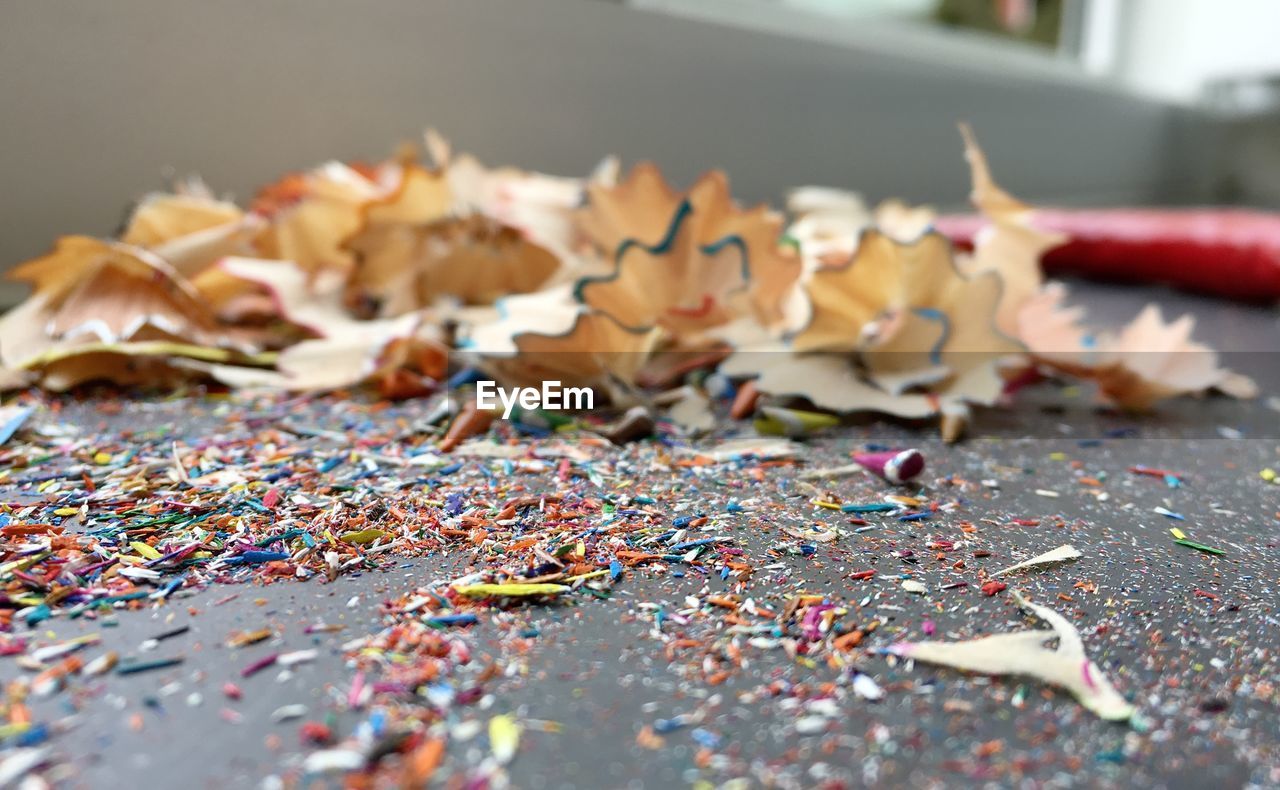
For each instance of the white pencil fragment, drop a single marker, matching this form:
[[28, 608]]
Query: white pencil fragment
[[19, 762], [288, 713], [1060, 554], [1024, 653], [866, 687], [833, 472], [329, 761]]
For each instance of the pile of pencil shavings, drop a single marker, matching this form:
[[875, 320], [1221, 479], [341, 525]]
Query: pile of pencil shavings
[[391, 275]]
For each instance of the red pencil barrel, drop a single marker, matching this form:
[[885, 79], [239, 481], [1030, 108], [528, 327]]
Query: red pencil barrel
[[1233, 253]]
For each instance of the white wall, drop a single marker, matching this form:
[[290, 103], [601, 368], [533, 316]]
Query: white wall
[[1171, 48]]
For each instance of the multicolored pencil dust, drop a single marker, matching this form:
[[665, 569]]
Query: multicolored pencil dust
[[404, 616]]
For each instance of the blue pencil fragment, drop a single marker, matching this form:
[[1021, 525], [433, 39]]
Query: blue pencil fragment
[[11, 419], [450, 620], [259, 557], [689, 544], [173, 585], [464, 377], [877, 507]]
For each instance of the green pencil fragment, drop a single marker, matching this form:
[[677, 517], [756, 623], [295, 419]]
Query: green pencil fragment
[[1192, 544]]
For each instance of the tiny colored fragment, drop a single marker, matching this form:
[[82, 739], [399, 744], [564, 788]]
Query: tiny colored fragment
[[504, 738], [515, 590]]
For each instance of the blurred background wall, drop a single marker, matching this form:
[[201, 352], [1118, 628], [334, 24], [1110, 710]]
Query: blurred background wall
[[104, 101]]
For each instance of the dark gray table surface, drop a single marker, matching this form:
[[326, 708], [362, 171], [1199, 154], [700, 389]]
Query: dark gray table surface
[[1201, 684]]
